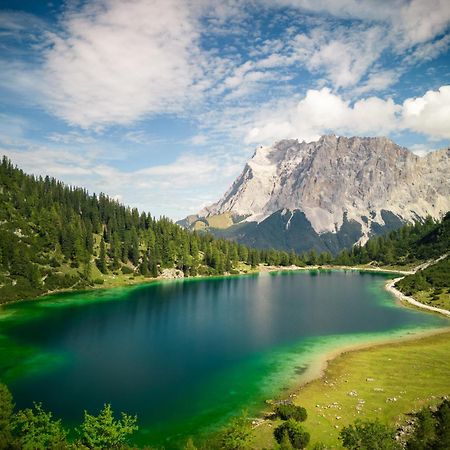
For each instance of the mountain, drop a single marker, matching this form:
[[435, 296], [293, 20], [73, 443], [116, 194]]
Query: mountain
[[329, 194]]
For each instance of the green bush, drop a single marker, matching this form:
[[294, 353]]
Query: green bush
[[290, 411], [237, 435], [297, 435], [432, 429], [368, 435], [104, 431], [126, 270]]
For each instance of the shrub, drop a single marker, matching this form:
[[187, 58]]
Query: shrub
[[297, 435], [290, 411], [104, 431], [237, 435], [367, 435], [126, 270], [35, 428]]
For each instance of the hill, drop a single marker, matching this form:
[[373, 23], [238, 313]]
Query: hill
[[426, 245]]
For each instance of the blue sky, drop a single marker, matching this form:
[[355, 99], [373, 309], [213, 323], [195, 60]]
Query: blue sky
[[159, 103]]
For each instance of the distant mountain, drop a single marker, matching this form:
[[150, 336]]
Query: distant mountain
[[328, 195]]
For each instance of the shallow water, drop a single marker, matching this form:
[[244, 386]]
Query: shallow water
[[185, 355]]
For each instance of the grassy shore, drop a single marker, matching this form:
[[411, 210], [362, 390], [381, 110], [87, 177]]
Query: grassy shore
[[386, 381]]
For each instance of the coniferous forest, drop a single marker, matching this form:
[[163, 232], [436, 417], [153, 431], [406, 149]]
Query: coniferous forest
[[54, 236], [409, 244]]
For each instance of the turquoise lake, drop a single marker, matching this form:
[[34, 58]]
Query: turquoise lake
[[185, 356]]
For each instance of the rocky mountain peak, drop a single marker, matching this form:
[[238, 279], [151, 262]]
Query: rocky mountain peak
[[338, 180]]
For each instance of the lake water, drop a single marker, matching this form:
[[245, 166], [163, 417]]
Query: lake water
[[186, 355]]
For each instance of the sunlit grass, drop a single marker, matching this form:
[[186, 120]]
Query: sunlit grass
[[382, 382]]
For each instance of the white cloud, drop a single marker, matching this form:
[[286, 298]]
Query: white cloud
[[421, 149], [343, 55], [346, 53], [322, 111], [117, 61], [412, 21], [429, 114]]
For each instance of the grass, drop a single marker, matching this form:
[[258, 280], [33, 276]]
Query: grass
[[430, 297], [220, 221], [385, 381]]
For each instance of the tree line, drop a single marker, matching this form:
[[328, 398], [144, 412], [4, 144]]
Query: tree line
[[55, 236]]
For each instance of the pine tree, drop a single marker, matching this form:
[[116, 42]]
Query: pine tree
[[101, 262]]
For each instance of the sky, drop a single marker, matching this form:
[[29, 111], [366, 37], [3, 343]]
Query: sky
[[159, 103]]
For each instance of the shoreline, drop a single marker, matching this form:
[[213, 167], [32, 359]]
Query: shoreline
[[317, 369], [390, 287], [164, 277]]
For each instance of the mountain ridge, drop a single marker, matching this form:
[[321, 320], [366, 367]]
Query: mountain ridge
[[368, 182]]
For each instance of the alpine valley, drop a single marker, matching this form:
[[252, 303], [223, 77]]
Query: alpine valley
[[328, 195]]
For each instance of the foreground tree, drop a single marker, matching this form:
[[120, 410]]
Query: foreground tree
[[6, 415], [237, 435], [106, 432], [368, 435], [432, 429], [298, 437], [289, 411], [35, 429], [424, 432]]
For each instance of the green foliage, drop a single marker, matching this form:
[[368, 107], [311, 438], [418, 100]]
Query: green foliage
[[289, 411], [106, 432], [190, 445], [435, 276], [432, 429], [35, 429], [408, 244], [237, 435], [298, 437], [6, 415], [424, 432], [50, 233], [368, 435], [285, 443]]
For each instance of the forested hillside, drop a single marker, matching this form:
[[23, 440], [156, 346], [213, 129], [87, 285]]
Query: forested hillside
[[54, 236], [410, 244]]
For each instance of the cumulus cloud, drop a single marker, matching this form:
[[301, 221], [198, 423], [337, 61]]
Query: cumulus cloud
[[322, 111], [114, 62], [429, 114]]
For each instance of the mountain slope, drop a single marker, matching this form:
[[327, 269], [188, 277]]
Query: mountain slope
[[54, 236], [328, 194]]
